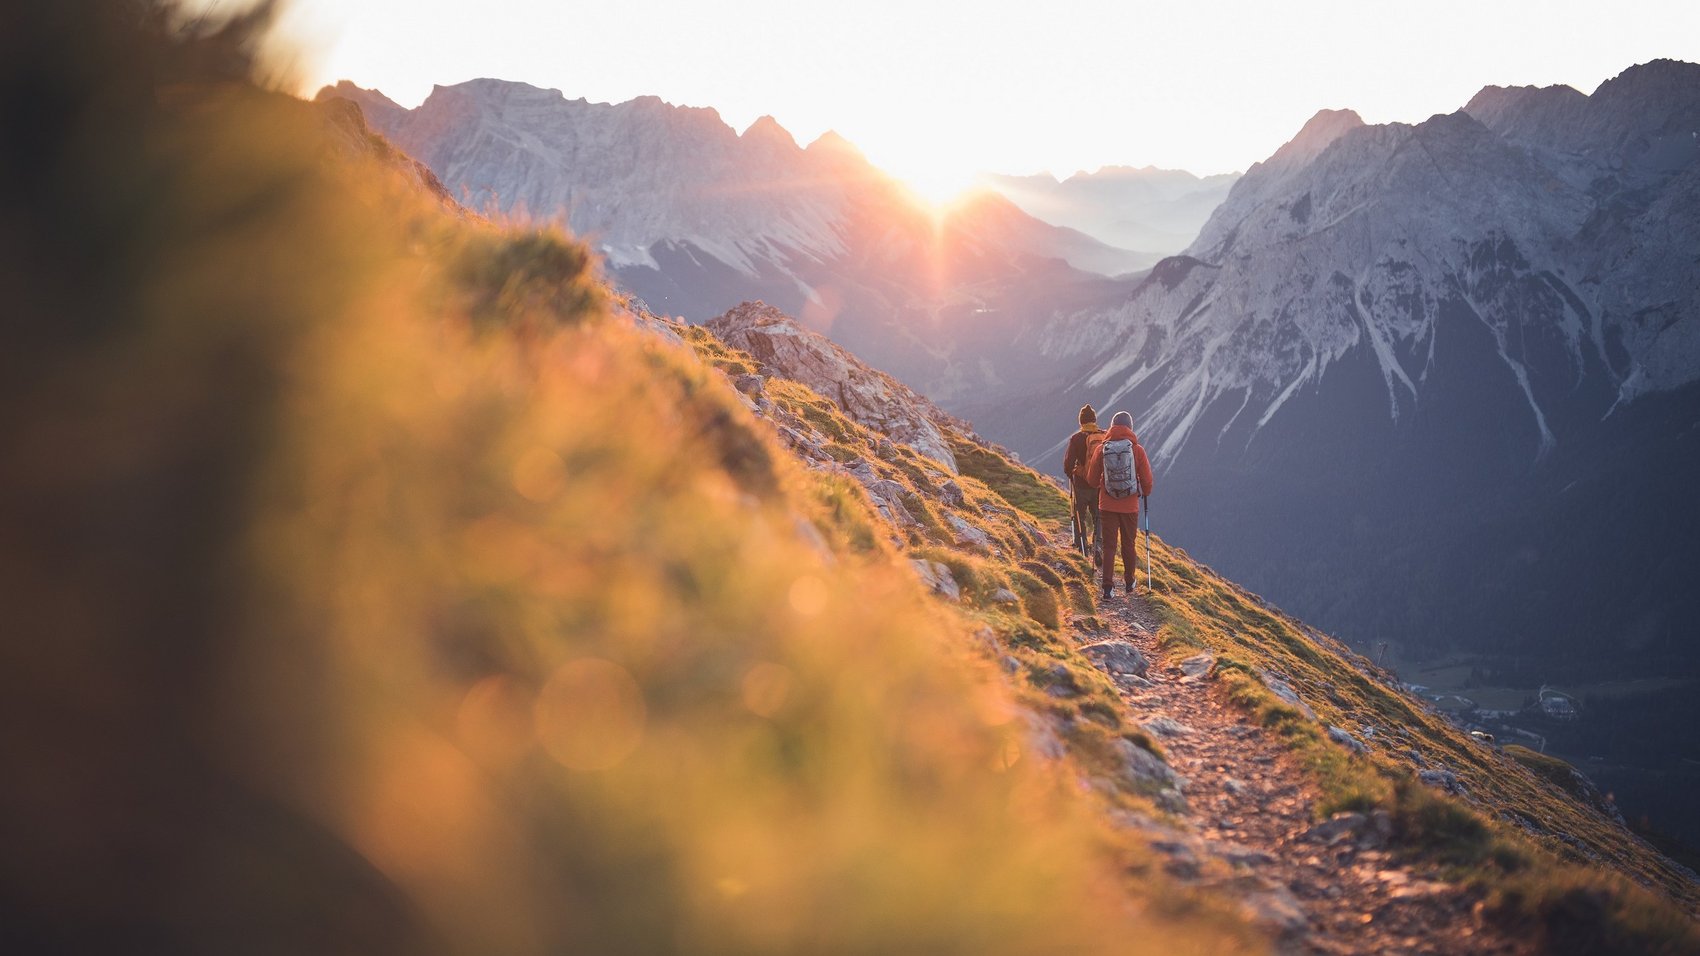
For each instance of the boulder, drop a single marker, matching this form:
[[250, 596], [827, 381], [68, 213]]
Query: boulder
[[888, 497], [1117, 657], [1145, 770], [1198, 666], [1285, 692], [951, 494], [1167, 727], [968, 536], [937, 578], [1005, 596], [1443, 780], [1344, 738], [1060, 682]]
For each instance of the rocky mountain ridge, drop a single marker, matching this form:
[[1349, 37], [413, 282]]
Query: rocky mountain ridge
[[1354, 236], [695, 217], [872, 398]]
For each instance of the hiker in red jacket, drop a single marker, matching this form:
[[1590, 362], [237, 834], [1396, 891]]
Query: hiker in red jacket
[[1121, 472], [1084, 495]]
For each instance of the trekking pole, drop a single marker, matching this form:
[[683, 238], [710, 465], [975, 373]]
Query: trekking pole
[[1074, 514], [1146, 501]]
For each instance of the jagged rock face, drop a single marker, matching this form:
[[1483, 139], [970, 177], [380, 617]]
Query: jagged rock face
[[871, 398], [1366, 246], [1411, 380], [631, 175], [695, 218]]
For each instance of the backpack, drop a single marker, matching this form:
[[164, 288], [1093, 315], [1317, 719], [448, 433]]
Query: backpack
[[1119, 479], [1093, 440]]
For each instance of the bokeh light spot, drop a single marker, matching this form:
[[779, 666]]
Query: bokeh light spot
[[493, 724], [590, 715], [808, 595], [766, 688], [539, 475]]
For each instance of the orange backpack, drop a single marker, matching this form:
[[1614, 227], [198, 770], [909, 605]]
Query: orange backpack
[[1093, 440]]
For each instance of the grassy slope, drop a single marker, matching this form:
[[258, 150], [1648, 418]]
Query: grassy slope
[[1051, 586], [1550, 861]]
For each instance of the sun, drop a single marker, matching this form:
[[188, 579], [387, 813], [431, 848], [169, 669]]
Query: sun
[[938, 183]]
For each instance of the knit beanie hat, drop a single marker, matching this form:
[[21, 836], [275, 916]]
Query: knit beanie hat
[[1122, 418], [1088, 415]]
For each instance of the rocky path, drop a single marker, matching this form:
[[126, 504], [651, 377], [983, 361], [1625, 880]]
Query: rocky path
[[1330, 887]]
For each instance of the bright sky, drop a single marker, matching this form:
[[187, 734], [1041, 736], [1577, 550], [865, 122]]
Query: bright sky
[[935, 90]]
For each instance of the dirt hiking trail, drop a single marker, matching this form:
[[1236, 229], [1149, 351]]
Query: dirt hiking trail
[[1327, 887]]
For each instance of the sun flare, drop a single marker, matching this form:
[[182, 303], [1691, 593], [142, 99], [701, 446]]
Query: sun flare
[[939, 184]]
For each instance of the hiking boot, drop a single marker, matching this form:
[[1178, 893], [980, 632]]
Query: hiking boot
[[1130, 589], [1108, 593]]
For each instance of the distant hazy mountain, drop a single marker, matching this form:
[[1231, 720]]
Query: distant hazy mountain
[[1152, 210], [1433, 383], [695, 218]]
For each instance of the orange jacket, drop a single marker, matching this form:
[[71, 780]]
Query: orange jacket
[[1141, 466]]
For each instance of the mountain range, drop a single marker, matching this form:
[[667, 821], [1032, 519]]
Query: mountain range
[[695, 217], [1433, 384]]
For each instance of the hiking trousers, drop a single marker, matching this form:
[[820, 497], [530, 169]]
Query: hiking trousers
[[1086, 509], [1124, 527]]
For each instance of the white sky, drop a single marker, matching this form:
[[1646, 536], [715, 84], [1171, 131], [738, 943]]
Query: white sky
[[935, 90]]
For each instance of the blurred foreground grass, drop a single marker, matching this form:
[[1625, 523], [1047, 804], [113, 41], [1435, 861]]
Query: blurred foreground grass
[[368, 589]]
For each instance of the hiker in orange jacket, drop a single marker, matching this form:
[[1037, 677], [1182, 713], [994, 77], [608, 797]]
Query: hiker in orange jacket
[[1120, 486], [1085, 496]]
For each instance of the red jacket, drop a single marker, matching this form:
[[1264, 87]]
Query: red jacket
[[1141, 467]]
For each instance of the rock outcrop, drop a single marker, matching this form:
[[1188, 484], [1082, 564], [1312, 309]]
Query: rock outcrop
[[872, 398]]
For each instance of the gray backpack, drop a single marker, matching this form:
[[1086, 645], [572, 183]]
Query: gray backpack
[[1119, 479]]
